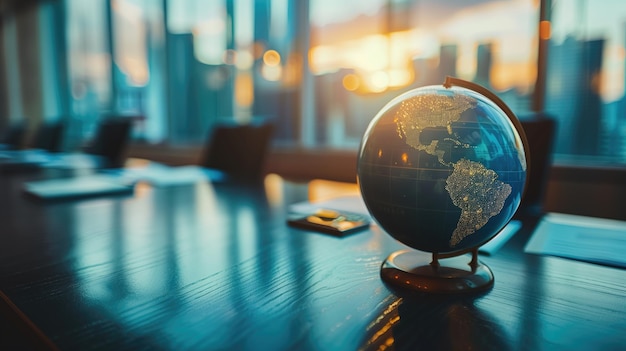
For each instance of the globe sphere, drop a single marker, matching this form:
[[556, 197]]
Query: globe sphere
[[442, 169]]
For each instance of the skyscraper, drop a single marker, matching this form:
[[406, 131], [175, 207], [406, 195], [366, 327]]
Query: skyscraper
[[572, 94]]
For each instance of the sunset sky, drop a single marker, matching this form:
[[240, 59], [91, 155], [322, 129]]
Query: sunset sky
[[352, 34], [509, 24]]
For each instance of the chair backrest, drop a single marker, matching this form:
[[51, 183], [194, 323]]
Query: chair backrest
[[238, 150], [540, 130], [111, 140], [14, 136], [49, 137]]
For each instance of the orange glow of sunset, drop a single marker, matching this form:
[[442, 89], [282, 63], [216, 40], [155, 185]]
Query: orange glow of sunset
[[545, 32], [380, 61], [351, 82], [384, 61]]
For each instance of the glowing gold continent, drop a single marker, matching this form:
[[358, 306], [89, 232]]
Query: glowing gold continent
[[476, 190], [427, 111]]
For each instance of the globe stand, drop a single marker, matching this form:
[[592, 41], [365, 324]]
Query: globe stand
[[419, 271]]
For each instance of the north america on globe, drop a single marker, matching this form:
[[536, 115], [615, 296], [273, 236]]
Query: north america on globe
[[428, 111], [472, 187]]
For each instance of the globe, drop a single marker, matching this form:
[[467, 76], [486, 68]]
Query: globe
[[442, 169]]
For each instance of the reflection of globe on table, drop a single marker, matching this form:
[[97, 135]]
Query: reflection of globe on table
[[442, 169]]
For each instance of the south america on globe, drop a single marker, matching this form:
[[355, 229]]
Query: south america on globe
[[442, 169]]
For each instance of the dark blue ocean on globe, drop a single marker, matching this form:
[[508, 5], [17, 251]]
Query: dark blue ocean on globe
[[442, 169]]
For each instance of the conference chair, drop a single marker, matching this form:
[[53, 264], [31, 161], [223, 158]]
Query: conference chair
[[49, 137], [540, 129], [111, 140], [14, 137], [238, 150]]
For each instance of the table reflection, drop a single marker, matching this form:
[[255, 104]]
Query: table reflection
[[423, 323], [170, 260]]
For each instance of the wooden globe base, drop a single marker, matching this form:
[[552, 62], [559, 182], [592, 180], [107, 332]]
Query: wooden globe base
[[423, 272]]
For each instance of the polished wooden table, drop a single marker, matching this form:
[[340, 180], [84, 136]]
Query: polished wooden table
[[214, 267]]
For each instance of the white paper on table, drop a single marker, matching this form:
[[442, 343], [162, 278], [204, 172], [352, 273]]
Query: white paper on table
[[160, 175], [77, 187], [588, 239]]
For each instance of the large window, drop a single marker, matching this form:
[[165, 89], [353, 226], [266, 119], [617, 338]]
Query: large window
[[318, 69], [321, 69], [89, 63], [32, 64], [138, 51]]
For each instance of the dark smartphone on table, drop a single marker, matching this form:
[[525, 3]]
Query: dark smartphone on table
[[338, 223]]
